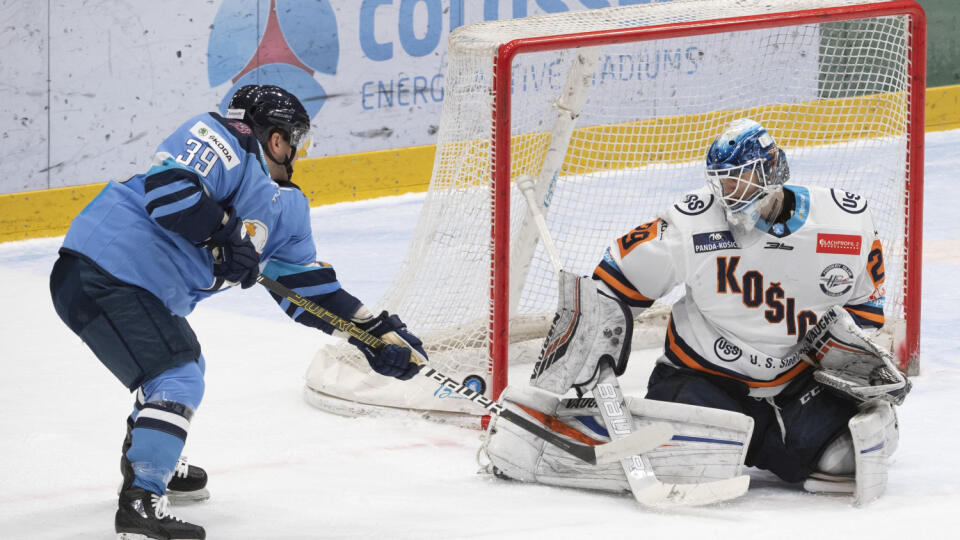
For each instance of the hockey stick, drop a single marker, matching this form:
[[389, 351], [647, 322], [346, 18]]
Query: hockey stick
[[640, 441], [646, 488]]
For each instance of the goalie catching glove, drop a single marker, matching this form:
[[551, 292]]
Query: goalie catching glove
[[403, 355], [850, 362]]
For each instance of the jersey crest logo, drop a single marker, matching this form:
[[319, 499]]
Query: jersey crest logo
[[258, 233], [693, 205], [848, 202], [714, 241], [836, 280], [839, 244], [726, 351], [240, 127]]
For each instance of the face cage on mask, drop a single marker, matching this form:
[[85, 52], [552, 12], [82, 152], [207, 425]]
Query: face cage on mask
[[750, 185]]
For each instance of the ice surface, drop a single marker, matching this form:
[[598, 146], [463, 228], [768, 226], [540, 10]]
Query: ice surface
[[281, 469]]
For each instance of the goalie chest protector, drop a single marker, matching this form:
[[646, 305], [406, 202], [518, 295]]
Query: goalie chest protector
[[748, 301]]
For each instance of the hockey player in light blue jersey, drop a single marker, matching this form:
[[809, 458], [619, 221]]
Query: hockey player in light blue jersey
[[216, 208]]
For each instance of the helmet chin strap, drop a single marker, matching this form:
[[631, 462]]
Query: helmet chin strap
[[286, 163]]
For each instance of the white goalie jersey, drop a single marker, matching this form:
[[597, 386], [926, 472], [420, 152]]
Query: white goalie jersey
[[748, 302]]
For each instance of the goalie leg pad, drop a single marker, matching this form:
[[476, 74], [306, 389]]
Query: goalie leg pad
[[709, 444], [875, 437]]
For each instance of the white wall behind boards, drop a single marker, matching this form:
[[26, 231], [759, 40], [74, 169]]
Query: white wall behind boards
[[88, 89]]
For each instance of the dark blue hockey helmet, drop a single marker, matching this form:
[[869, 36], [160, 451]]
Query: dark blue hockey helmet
[[273, 109], [268, 109], [244, 97]]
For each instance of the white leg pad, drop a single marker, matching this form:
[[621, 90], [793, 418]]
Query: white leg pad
[[709, 444], [875, 437]]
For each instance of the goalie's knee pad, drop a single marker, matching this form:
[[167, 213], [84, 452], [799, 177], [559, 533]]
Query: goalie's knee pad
[[708, 444], [837, 458], [856, 462]]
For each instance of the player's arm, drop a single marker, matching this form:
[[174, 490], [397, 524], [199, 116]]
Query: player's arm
[[638, 268], [184, 190], [866, 305], [318, 283]]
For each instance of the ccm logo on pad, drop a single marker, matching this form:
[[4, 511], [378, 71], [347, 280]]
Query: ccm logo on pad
[[841, 244]]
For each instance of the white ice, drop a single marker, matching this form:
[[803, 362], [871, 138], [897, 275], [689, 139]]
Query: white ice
[[281, 469]]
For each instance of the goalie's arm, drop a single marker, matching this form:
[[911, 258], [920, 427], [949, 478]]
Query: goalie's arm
[[638, 267], [866, 304]]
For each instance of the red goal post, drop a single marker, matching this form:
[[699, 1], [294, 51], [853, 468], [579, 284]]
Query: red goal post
[[501, 177], [839, 84]]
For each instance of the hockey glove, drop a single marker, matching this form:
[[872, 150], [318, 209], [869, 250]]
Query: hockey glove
[[234, 257], [850, 362], [397, 359]]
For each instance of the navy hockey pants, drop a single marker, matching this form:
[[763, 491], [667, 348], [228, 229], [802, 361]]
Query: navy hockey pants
[[145, 346], [811, 416]]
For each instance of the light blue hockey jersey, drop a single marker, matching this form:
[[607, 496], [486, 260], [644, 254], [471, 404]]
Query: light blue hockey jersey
[[145, 230]]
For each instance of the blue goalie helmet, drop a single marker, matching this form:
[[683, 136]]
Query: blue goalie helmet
[[744, 165]]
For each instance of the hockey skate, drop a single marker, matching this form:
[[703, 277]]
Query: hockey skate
[[189, 482], [143, 515]]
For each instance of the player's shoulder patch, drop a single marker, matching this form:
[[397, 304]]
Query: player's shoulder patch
[[709, 242], [693, 204], [241, 132], [848, 202]]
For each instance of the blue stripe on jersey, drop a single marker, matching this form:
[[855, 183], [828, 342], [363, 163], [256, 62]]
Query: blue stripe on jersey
[[275, 269], [176, 207], [318, 284], [867, 315], [174, 186], [174, 198], [700, 360], [316, 290]]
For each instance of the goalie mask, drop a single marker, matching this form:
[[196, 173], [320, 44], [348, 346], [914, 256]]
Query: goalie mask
[[745, 167]]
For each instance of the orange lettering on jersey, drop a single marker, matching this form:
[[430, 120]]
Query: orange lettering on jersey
[[634, 238], [875, 264]]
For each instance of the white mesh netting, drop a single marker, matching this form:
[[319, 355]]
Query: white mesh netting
[[834, 95]]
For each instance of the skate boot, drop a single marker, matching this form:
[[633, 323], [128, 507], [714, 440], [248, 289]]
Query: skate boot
[[189, 482], [143, 515]]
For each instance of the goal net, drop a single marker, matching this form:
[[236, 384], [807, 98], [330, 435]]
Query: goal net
[[609, 114]]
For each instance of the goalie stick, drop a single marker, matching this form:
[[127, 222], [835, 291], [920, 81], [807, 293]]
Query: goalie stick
[[642, 440], [646, 488]]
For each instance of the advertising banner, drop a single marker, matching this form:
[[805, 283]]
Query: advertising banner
[[91, 91]]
